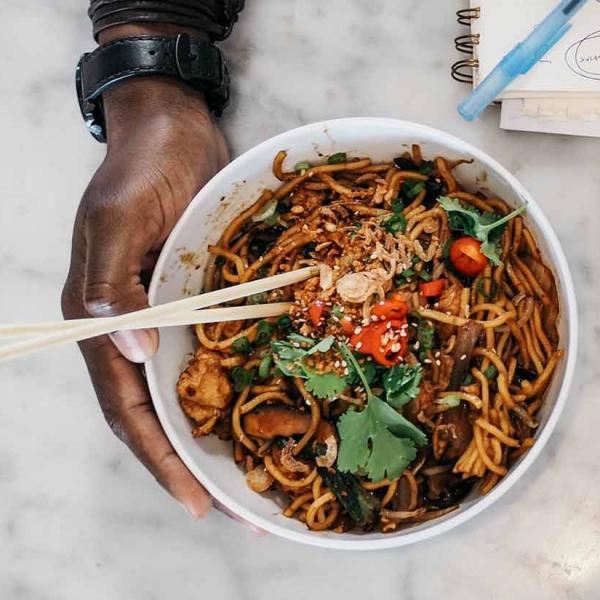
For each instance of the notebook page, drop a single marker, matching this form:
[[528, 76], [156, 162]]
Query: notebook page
[[571, 68]]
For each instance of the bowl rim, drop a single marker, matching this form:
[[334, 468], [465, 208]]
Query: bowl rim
[[561, 268]]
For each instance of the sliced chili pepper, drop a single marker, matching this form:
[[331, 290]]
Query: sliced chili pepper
[[393, 308], [347, 325], [370, 340], [430, 289], [315, 312]]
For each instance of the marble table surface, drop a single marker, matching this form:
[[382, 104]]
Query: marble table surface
[[79, 517]]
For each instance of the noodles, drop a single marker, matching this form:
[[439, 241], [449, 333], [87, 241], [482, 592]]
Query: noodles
[[464, 358]]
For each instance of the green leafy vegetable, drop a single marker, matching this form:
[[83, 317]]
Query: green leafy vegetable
[[302, 166], [284, 323], [290, 358], [491, 372], [264, 333], [259, 298], [404, 277], [396, 223], [264, 367], [468, 379], [397, 205], [337, 311], [361, 505], [337, 158], [425, 336], [325, 385], [401, 384], [424, 275], [484, 227], [452, 400], [415, 190], [377, 441], [268, 210], [242, 378], [242, 345]]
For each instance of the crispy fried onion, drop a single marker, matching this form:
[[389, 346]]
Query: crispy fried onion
[[328, 459], [259, 479], [288, 462], [357, 287]]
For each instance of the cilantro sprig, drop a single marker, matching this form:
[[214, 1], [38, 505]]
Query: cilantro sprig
[[290, 356], [401, 384], [485, 227], [376, 441]]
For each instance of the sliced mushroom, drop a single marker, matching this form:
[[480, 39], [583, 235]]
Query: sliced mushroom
[[466, 340], [276, 421]]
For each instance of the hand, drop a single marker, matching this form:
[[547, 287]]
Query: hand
[[162, 148]]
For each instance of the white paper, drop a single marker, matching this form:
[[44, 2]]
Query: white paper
[[571, 68], [550, 116]]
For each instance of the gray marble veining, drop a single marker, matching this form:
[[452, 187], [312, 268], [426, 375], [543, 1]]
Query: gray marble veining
[[79, 518]]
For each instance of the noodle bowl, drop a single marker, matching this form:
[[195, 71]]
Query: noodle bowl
[[495, 331]]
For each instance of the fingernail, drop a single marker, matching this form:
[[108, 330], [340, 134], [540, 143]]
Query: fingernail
[[196, 512], [138, 346], [223, 509]]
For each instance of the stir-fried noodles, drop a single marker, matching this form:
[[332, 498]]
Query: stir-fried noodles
[[408, 373]]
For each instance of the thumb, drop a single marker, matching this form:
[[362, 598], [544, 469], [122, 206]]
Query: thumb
[[112, 281]]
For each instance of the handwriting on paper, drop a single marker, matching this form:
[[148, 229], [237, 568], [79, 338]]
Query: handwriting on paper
[[583, 57]]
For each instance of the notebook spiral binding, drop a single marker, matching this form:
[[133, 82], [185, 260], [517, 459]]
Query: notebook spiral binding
[[462, 70]]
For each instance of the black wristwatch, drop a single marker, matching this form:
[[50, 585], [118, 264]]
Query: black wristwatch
[[198, 63]]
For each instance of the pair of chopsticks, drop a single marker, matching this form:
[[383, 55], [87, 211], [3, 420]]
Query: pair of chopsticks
[[179, 312]]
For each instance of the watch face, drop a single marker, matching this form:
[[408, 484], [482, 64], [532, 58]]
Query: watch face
[[91, 111]]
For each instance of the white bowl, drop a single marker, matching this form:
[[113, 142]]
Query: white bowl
[[236, 187]]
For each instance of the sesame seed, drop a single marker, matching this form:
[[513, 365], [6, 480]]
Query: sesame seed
[[388, 326], [357, 330], [438, 363], [344, 363], [374, 318], [358, 346], [404, 334], [427, 361], [417, 345], [336, 364], [463, 357], [346, 371], [396, 348], [437, 353], [296, 345]]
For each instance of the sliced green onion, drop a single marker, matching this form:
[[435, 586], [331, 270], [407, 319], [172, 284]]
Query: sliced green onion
[[284, 322], [242, 378], [337, 158], [265, 366], [415, 190], [259, 298], [242, 345], [264, 332], [491, 372], [302, 166]]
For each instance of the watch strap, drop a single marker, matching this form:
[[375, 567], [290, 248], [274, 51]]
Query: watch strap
[[198, 63]]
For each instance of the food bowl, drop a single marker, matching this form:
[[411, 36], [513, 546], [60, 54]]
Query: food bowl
[[179, 273]]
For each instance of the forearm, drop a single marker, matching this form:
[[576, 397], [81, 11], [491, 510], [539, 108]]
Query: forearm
[[215, 17]]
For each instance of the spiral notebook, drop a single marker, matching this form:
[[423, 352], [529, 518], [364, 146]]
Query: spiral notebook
[[572, 67], [569, 72]]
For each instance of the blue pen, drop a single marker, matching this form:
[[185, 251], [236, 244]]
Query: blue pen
[[521, 58]]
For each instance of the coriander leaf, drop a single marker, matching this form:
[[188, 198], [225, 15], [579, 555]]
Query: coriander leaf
[[337, 311], [300, 339], [401, 384], [286, 351], [483, 227], [368, 444], [325, 385], [451, 400], [361, 505], [242, 345], [377, 440], [323, 346]]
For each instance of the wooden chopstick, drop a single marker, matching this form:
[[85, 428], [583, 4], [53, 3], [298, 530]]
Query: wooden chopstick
[[93, 328], [186, 317]]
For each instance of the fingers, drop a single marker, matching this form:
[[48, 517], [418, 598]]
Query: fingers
[[112, 283], [127, 408]]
